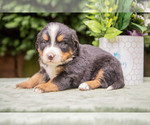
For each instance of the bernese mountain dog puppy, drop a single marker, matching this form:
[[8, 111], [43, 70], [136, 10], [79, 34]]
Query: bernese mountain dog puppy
[[65, 64]]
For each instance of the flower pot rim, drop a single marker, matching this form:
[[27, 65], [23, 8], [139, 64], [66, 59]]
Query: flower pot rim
[[123, 36]]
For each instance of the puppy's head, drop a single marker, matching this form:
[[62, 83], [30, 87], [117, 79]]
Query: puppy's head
[[57, 44]]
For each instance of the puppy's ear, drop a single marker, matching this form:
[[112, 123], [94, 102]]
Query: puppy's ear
[[75, 41]]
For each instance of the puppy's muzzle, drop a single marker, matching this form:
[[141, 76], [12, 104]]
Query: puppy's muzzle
[[51, 56]]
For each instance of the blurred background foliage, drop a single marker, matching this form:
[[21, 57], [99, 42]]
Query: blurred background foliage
[[19, 30], [42, 5]]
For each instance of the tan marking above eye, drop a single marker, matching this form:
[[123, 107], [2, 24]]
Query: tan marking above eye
[[60, 38], [41, 53], [45, 37]]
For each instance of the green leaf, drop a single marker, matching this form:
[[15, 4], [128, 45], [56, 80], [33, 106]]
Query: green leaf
[[5, 41], [30, 54], [124, 5], [147, 45], [2, 53], [81, 28], [90, 6], [92, 17], [94, 25], [53, 15], [22, 46], [142, 28], [18, 19], [112, 32], [95, 43], [147, 39], [3, 48], [11, 25], [35, 23], [26, 21], [123, 20], [9, 17], [16, 43]]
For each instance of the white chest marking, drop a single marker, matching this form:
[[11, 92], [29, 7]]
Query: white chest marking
[[52, 70]]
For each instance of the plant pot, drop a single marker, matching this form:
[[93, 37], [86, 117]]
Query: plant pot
[[129, 50]]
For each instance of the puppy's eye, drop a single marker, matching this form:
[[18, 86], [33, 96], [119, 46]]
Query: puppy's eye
[[64, 44], [43, 41], [64, 41]]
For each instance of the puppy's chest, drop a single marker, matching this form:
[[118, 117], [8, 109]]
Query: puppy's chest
[[53, 71]]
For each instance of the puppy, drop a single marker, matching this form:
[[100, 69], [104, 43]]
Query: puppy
[[65, 64]]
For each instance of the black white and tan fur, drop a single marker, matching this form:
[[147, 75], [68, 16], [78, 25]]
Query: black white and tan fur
[[65, 63]]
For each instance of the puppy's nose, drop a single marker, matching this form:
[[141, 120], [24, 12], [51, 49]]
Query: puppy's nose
[[50, 56]]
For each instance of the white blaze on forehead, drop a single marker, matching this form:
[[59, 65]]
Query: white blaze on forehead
[[53, 30]]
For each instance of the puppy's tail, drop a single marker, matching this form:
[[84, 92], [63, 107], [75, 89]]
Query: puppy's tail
[[116, 85]]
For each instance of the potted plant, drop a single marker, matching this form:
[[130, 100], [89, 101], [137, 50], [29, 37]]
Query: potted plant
[[120, 34]]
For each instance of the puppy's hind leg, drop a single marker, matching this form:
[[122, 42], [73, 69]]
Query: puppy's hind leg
[[116, 85], [96, 83]]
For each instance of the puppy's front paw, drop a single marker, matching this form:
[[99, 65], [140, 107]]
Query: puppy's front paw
[[47, 87], [84, 87], [23, 85], [39, 89]]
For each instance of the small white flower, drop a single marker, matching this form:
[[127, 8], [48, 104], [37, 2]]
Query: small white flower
[[146, 7], [96, 16], [96, 5], [146, 20], [140, 6], [140, 17]]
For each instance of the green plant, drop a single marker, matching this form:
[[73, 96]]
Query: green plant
[[111, 18], [107, 24]]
